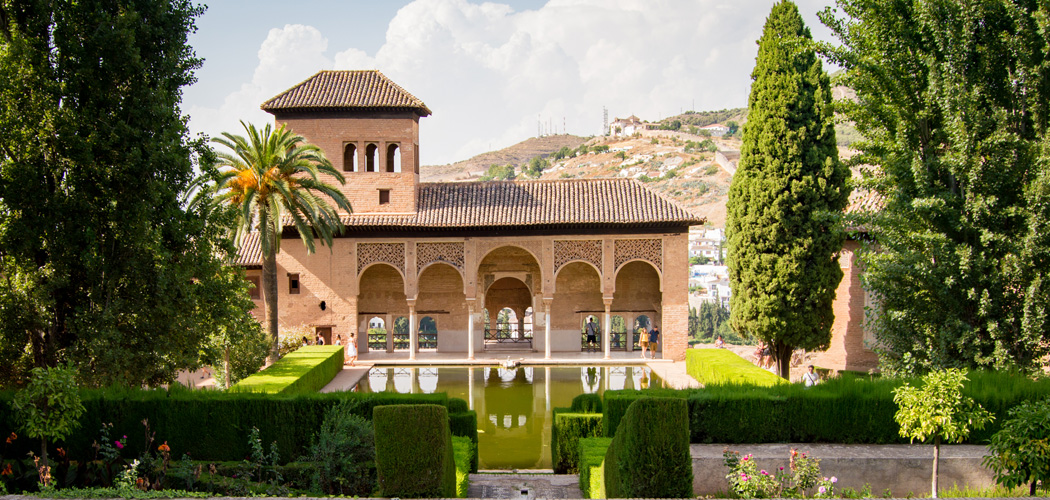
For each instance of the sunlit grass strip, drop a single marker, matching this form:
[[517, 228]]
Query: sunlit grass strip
[[722, 366], [308, 369], [592, 455]]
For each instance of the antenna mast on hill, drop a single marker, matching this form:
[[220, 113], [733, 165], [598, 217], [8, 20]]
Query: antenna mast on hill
[[605, 120]]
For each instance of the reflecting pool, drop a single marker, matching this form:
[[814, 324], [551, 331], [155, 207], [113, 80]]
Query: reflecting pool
[[513, 405]]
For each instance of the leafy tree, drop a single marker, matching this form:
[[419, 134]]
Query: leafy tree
[[49, 407], [1020, 451], [710, 318], [499, 173], [953, 102], [344, 451], [102, 263], [535, 167], [782, 228], [268, 176], [733, 126], [938, 410]]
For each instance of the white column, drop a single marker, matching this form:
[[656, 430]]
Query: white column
[[412, 329], [470, 387], [470, 331], [547, 328], [606, 335]]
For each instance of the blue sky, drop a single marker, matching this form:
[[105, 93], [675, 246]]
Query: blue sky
[[490, 71]]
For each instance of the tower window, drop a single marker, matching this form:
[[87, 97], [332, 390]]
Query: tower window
[[384, 196], [370, 157], [393, 158], [349, 158], [254, 280], [293, 283]]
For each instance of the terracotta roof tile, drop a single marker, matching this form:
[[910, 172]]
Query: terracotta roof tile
[[532, 204], [250, 252], [346, 90]]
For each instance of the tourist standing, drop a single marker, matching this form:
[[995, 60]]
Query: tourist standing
[[720, 343], [643, 340], [338, 340], [592, 329], [654, 341], [320, 339], [810, 378], [351, 349]]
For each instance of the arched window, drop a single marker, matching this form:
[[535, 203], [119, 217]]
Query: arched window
[[506, 324], [428, 333], [593, 323], [370, 157], [401, 334], [376, 334], [393, 158], [619, 334], [349, 158]]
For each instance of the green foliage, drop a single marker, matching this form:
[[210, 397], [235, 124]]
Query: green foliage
[[590, 402], [721, 366], [536, 166], [308, 369], [49, 407], [464, 423], [567, 428], [499, 173], [344, 451], [104, 264], [649, 455], [592, 454], [710, 317], [463, 451], [803, 473], [782, 214], [952, 101], [414, 456], [240, 348], [601, 148], [1020, 451], [564, 152], [938, 409]]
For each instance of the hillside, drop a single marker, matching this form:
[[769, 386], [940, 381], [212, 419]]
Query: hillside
[[516, 155]]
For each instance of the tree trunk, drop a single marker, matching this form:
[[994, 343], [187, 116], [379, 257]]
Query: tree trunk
[[782, 357], [269, 282], [226, 366], [43, 454], [1031, 489], [936, 455]]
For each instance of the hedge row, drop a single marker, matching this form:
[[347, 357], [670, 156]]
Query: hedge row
[[841, 410], [649, 455], [722, 366], [592, 454], [567, 428], [211, 425], [307, 369], [587, 403], [414, 456], [464, 451]]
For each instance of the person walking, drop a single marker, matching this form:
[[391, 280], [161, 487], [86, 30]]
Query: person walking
[[654, 341], [592, 337], [810, 378], [643, 340], [351, 349]]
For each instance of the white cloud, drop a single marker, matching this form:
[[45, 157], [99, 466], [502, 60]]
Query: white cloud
[[490, 74]]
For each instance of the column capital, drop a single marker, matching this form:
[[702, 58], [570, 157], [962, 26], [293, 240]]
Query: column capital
[[608, 302], [547, 301], [411, 303]]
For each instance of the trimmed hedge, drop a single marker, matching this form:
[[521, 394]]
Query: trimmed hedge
[[592, 455], [649, 456], [212, 425], [722, 366], [465, 423], [307, 369], [414, 456], [587, 403], [567, 427], [463, 450], [851, 409]]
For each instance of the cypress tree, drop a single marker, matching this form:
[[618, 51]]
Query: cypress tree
[[785, 197]]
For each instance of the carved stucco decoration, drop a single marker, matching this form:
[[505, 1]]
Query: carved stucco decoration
[[566, 251], [449, 252], [649, 249], [390, 253]]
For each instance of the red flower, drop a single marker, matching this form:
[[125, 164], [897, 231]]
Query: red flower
[[12, 437], [6, 471], [164, 447]]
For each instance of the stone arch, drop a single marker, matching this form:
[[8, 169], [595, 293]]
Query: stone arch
[[577, 294], [428, 333], [393, 157], [440, 294], [645, 261], [381, 293], [638, 293], [371, 151], [377, 334], [350, 157], [509, 293], [571, 263]]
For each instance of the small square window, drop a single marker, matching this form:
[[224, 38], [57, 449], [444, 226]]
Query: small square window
[[293, 283], [384, 196], [254, 280]]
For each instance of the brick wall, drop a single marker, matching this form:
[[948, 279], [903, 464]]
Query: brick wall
[[847, 350]]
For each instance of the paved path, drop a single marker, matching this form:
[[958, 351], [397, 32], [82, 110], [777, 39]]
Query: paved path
[[524, 486]]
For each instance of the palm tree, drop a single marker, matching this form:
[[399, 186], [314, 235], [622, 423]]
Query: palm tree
[[270, 177]]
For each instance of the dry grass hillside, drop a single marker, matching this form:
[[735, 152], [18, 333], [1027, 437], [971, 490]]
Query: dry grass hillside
[[517, 155]]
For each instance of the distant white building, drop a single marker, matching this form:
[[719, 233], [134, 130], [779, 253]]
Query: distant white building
[[715, 129], [706, 243], [625, 126]]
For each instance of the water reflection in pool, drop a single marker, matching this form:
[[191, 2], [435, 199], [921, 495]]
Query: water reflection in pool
[[513, 405]]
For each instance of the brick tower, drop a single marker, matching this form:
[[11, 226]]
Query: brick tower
[[368, 127]]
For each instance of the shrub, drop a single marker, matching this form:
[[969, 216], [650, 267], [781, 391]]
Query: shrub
[[567, 428], [465, 423], [722, 366], [587, 403], [308, 369], [414, 451], [463, 451], [649, 456], [592, 455], [344, 451], [616, 403], [1019, 451]]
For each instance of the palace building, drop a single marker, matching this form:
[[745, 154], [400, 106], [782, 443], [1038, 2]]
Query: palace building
[[468, 267]]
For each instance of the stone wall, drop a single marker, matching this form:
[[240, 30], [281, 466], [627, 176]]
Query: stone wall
[[848, 349]]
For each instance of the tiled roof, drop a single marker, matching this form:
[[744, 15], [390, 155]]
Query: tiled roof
[[346, 90], [250, 253], [561, 203], [864, 201]]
